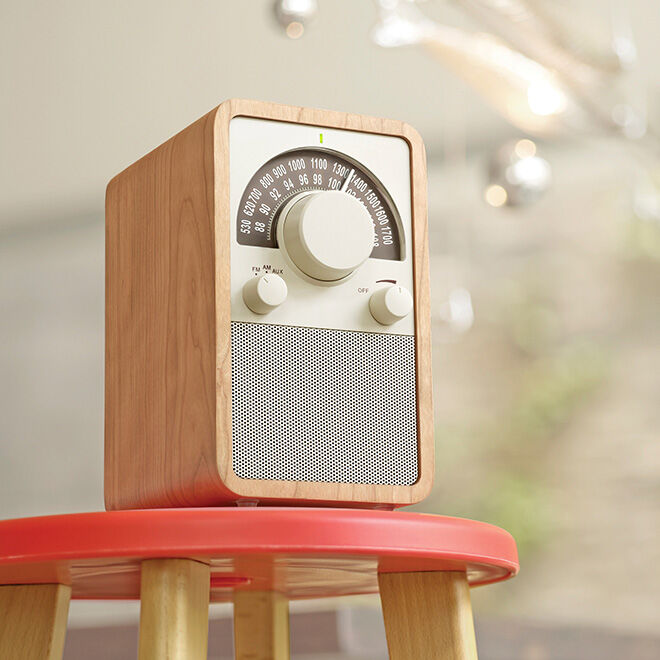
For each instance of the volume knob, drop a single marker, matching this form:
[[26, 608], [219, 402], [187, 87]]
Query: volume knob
[[390, 304], [327, 234]]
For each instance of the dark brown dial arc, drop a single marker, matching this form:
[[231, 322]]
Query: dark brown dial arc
[[310, 169]]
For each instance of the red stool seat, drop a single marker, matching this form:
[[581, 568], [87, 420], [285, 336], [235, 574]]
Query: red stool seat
[[300, 552]]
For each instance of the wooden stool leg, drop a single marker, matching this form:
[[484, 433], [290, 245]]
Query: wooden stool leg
[[174, 610], [33, 621], [428, 616], [261, 625]]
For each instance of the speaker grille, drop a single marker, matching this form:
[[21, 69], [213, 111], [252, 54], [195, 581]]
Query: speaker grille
[[318, 405]]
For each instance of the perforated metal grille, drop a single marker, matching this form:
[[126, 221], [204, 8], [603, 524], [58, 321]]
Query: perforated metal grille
[[310, 404]]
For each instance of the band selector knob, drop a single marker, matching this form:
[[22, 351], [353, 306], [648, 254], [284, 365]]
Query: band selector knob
[[264, 293]]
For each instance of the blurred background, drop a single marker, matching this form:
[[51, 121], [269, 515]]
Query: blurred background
[[544, 205]]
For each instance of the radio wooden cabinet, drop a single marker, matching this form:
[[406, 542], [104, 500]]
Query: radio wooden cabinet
[[267, 314]]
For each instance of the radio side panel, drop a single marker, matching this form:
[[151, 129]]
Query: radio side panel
[[160, 327]]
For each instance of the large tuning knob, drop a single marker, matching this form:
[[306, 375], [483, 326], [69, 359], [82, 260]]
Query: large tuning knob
[[327, 234]]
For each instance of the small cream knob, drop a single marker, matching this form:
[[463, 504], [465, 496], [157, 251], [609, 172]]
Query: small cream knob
[[390, 304], [264, 293], [328, 234]]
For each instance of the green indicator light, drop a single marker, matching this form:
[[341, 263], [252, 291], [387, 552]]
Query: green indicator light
[[321, 138]]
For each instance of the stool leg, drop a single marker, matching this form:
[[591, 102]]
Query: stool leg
[[261, 625], [428, 616], [174, 610], [33, 621]]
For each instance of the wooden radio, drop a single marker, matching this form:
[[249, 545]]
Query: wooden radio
[[267, 314]]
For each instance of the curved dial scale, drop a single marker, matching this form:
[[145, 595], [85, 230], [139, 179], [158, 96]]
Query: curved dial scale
[[309, 169]]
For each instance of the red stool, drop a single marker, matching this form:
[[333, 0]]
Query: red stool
[[176, 560]]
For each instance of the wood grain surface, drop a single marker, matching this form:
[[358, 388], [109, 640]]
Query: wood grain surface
[[428, 616], [174, 610], [160, 384], [33, 621], [261, 625]]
